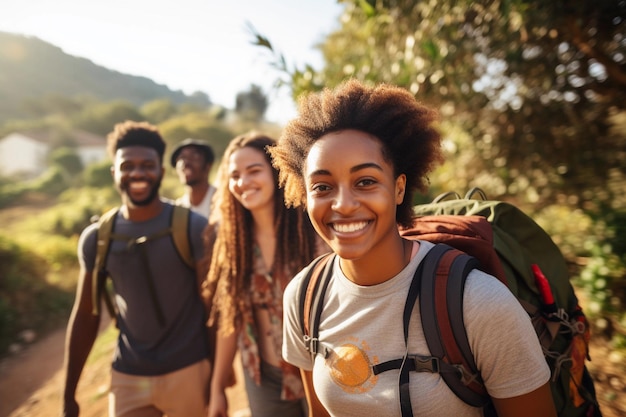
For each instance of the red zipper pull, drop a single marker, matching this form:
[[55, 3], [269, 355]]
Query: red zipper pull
[[547, 298]]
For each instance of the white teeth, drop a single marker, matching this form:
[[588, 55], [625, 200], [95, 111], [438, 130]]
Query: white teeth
[[350, 227], [137, 185]]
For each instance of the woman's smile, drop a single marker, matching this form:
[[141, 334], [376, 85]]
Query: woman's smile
[[349, 227]]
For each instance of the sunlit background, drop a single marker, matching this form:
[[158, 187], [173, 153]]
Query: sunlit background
[[188, 45]]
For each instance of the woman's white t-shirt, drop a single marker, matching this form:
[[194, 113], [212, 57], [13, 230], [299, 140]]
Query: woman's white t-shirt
[[362, 326]]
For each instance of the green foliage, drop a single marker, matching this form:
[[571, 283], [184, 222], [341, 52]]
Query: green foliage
[[157, 111], [196, 125], [531, 100], [199, 99], [27, 301], [101, 117], [37, 285], [218, 113], [98, 175], [604, 275], [529, 81], [52, 104], [9, 193], [572, 230], [23, 125], [67, 159], [52, 182], [251, 104], [75, 210], [299, 81]]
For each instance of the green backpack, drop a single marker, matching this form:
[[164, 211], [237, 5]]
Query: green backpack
[[179, 231], [506, 243]]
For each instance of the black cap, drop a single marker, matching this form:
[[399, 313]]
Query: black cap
[[200, 144]]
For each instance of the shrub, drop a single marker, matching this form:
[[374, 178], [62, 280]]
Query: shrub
[[27, 300], [9, 193], [98, 175], [52, 182]]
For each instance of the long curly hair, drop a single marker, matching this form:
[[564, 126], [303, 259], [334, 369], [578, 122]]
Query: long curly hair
[[227, 287], [406, 129]]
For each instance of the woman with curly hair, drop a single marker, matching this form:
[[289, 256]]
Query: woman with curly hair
[[354, 157], [259, 246]]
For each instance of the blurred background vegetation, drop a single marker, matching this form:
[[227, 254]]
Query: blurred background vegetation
[[532, 96], [46, 90]]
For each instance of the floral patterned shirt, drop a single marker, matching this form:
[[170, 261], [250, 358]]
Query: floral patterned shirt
[[266, 292]]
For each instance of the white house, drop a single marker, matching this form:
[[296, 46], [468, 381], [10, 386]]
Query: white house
[[25, 154], [89, 147]]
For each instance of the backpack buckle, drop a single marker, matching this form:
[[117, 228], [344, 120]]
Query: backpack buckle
[[425, 363], [465, 376], [311, 344]]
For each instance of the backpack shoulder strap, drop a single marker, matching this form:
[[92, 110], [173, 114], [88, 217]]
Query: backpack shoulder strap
[[99, 274], [181, 234], [311, 296], [179, 230], [441, 309]]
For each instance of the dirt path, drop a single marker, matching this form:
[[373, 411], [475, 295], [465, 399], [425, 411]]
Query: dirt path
[[28, 371], [31, 382]]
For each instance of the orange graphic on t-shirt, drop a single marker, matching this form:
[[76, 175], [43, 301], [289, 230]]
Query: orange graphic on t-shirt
[[351, 369]]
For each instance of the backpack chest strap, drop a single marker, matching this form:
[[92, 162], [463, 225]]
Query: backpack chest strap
[[430, 364], [132, 242]]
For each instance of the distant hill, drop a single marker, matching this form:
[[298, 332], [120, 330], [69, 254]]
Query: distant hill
[[31, 69]]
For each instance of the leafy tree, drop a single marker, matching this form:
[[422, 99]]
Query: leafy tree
[[98, 174], [532, 95], [157, 111], [538, 86], [200, 99], [251, 104], [199, 125], [67, 159], [101, 117]]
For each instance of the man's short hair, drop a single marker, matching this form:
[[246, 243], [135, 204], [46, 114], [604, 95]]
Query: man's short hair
[[130, 133]]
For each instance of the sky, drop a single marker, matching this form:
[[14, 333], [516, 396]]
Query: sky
[[188, 45]]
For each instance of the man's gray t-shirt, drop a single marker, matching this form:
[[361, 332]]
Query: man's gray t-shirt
[[145, 346]]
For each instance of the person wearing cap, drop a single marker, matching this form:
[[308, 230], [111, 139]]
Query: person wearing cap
[[193, 159]]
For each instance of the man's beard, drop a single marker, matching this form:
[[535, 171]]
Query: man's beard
[[193, 181], [154, 193]]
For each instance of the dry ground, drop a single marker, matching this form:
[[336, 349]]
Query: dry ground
[[31, 382]]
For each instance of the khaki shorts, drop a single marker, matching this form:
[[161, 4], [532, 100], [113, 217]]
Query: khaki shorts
[[182, 393]]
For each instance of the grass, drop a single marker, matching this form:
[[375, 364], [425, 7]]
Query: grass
[[28, 300], [38, 271], [38, 263]]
